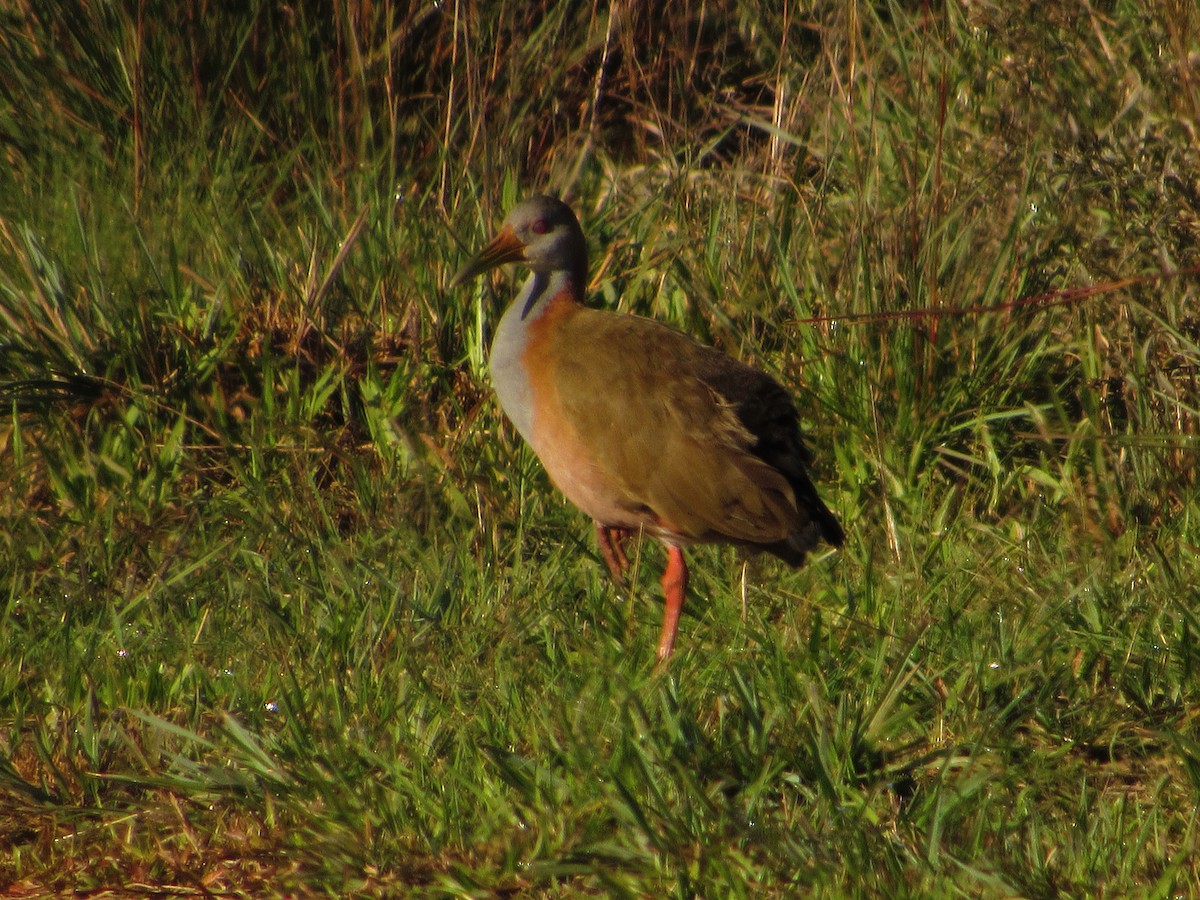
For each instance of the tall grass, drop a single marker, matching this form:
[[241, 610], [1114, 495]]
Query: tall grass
[[288, 608]]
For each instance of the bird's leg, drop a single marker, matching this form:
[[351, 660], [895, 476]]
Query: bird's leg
[[674, 582], [611, 540]]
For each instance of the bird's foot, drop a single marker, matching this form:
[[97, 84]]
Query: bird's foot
[[612, 548], [674, 582]]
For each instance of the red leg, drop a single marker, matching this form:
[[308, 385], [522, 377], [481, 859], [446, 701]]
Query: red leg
[[674, 583], [618, 536], [610, 540]]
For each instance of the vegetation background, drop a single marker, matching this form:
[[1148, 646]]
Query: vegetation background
[[285, 605]]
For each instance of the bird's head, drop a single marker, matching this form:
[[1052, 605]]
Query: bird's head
[[540, 232]]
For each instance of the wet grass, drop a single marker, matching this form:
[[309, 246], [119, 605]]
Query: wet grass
[[288, 608]]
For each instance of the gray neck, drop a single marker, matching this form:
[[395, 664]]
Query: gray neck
[[533, 291], [512, 336]]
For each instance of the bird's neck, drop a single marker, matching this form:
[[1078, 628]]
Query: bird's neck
[[515, 335], [541, 288]]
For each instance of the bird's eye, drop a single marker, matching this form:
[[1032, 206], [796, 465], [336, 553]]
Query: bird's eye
[[539, 226]]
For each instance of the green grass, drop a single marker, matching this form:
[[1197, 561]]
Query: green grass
[[287, 608]]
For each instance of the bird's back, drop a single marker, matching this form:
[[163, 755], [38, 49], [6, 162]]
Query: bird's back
[[683, 434], [767, 412]]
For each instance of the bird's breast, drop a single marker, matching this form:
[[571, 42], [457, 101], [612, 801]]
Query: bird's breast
[[508, 361], [527, 362]]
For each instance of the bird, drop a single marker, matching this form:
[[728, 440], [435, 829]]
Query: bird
[[639, 425]]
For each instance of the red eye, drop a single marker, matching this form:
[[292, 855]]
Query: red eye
[[539, 226]]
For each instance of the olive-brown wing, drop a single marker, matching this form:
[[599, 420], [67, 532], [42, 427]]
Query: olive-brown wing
[[669, 444]]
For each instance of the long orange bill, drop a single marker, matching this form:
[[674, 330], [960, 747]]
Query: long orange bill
[[503, 248]]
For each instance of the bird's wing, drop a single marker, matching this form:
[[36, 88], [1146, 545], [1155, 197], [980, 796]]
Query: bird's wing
[[665, 439]]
